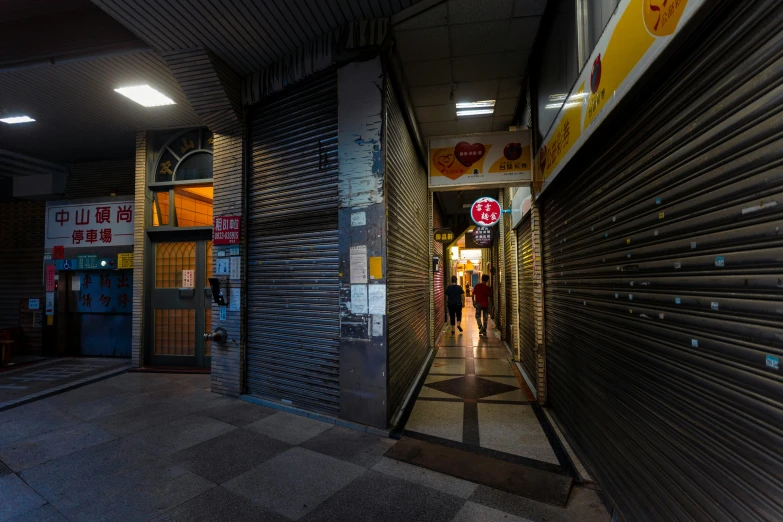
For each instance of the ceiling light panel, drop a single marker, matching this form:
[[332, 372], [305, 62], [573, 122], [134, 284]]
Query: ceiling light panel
[[145, 95], [17, 119]]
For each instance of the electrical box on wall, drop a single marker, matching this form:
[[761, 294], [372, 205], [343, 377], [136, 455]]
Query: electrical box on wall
[[436, 264]]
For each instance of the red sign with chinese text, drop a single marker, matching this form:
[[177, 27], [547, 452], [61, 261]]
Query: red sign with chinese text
[[79, 225], [485, 212], [58, 252], [225, 230], [50, 278]]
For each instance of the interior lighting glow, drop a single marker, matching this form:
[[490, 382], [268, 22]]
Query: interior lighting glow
[[472, 254], [17, 119], [557, 97], [145, 95], [473, 112], [563, 105], [484, 104]]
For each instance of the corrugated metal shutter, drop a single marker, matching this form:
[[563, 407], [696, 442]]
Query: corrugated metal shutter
[[95, 179], [527, 307], [21, 266], [408, 245], [663, 255], [293, 262], [439, 277], [509, 261]]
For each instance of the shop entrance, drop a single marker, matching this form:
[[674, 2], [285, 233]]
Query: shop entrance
[[181, 303]]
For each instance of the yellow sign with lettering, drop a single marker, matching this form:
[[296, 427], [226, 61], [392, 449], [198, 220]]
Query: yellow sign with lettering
[[125, 260]]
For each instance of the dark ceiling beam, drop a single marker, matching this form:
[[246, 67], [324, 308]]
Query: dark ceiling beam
[[13, 164], [77, 34]]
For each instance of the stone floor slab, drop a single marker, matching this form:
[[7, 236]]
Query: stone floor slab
[[228, 455], [351, 446], [514, 428], [448, 366], [17, 498], [377, 496], [55, 444], [583, 505], [425, 477], [179, 434], [493, 367], [295, 482], [290, 428], [239, 413], [472, 512], [437, 418], [31, 426], [220, 505], [46, 513]]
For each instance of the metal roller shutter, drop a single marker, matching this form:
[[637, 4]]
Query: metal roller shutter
[[509, 281], [527, 307], [439, 277], [293, 270], [408, 244], [663, 260]]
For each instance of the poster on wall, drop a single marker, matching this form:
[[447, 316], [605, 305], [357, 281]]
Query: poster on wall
[[105, 292], [500, 158], [76, 225], [225, 230]]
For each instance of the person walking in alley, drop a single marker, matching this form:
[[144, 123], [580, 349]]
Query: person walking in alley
[[481, 297], [456, 301]]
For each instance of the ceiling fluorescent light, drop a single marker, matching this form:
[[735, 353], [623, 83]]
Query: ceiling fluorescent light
[[553, 105], [557, 97], [145, 95], [485, 104], [475, 111], [16, 119]]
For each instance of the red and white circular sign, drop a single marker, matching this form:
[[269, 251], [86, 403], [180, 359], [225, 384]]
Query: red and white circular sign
[[485, 212]]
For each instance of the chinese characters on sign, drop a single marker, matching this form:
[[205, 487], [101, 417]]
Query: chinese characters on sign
[[89, 225], [50, 269], [105, 292], [444, 235], [482, 236], [485, 212], [225, 230]]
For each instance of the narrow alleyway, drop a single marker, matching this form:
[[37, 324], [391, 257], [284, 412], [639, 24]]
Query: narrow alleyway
[[161, 446]]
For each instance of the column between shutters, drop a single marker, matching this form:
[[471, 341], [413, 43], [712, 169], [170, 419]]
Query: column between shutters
[[293, 272]]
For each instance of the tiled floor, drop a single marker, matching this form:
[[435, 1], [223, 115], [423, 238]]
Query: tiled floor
[[472, 395]]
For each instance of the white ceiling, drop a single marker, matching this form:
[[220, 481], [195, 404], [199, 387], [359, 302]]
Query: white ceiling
[[477, 49]]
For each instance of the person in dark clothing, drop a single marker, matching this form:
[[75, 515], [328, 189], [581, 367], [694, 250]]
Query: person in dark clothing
[[456, 300], [481, 297]]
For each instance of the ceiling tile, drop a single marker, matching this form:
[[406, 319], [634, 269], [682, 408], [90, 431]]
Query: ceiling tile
[[480, 38], [516, 63], [476, 91], [434, 17], [529, 7], [439, 128], [433, 113], [501, 123], [505, 107], [469, 11], [480, 67], [471, 125], [510, 87], [423, 44], [430, 95], [431, 72], [522, 33]]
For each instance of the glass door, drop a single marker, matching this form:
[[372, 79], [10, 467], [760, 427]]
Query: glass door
[[181, 304]]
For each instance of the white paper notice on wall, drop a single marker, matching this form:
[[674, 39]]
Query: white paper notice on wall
[[221, 266], [358, 264], [377, 326], [358, 219], [222, 313], [235, 300], [76, 283], [358, 299], [235, 270], [188, 278], [377, 298], [49, 303]]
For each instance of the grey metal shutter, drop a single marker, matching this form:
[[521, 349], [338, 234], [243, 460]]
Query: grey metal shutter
[[293, 269], [527, 307], [663, 256], [508, 271], [439, 278], [408, 266]]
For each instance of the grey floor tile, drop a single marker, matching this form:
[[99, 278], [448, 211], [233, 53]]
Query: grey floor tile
[[437, 418], [140, 381], [46, 513], [428, 393], [583, 506], [376, 496], [179, 434], [451, 351], [295, 482], [33, 425], [351, 446], [4, 470], [90, 392], [26, 410], [493, 367], [55, 444], [139, 419], [239, 413], [514, 428], [472, 512], [195, 401], [220, 505], [80, 471], [448, 366], [17, 498], [106, 406], [139, 494], [228, 455], [290, 428], [425, 477]]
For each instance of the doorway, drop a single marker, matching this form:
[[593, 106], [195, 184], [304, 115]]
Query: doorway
[[181, 302]]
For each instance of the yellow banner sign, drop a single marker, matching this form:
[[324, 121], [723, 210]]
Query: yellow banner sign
[[635, 36], [125, 260], [496, 158]]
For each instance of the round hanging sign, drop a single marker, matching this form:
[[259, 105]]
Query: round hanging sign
[[485, 212]]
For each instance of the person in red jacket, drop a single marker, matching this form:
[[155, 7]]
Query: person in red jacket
[[481, 297]]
